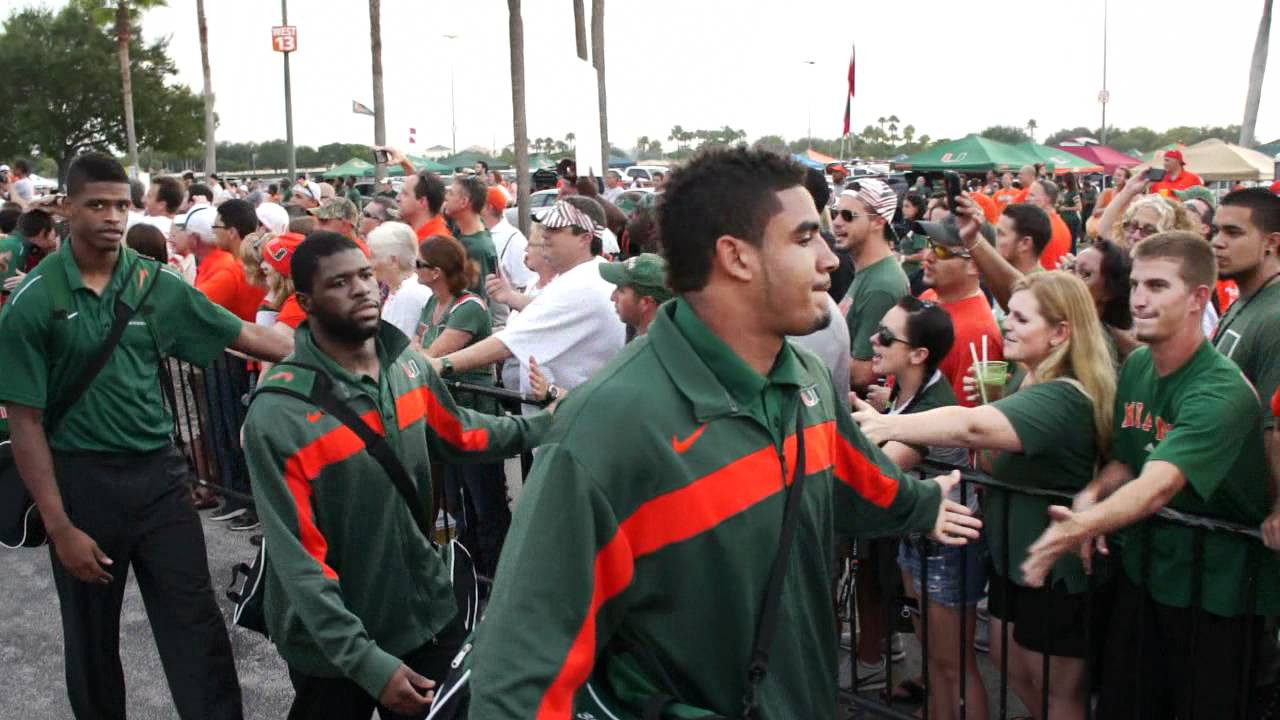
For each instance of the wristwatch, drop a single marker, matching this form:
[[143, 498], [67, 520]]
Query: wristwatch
[[446, 367], [553, 393]]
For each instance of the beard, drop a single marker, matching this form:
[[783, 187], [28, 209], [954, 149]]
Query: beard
[[343, 329]]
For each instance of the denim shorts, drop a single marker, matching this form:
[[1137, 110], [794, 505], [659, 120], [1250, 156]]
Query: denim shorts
[[957, 575]]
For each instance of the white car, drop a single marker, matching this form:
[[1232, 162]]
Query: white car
[[537, 201], [644, 173]]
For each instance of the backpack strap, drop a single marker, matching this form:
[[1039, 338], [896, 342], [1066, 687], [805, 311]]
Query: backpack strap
[[322, 396], [56, 411]]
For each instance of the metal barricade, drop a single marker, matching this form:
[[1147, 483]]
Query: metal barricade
[[886, 707]]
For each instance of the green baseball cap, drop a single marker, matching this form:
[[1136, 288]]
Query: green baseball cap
[[647, 273], [1199, 192]]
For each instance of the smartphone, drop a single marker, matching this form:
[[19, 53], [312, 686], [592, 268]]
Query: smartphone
[[1155, 174], [380, 156], [951, 179]]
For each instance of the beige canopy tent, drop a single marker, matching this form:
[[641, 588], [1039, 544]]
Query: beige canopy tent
[[1214, 159]]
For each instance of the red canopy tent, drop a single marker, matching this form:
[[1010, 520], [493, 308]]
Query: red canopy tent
[[1102, 155]]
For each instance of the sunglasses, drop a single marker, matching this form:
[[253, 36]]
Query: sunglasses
[[849, 215], [1142, 230], [885, 337], [370, 215], [423, 264], [944, 252]]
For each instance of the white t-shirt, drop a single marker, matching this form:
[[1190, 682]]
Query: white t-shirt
[[511, 245], [609, 243], [571, 328], [163, 223], [403, 307], [25, 189], [611, 194]]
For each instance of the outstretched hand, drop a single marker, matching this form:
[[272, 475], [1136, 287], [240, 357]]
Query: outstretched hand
[[874, 424], [955, 524]]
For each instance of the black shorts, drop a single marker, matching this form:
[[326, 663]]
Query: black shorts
[[1046, 620]]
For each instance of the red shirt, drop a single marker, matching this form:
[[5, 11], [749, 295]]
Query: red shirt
[[1059, 243], [291, 313], [1228, 292], [971, 319], [434, 226], [1275, 403], [1185, 179], [221, 278]]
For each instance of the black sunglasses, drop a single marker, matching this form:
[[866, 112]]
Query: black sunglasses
[[423, 264], [849, 215], [885, 337]]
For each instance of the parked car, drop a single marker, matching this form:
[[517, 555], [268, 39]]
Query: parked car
[[538, 200], [644, 172]]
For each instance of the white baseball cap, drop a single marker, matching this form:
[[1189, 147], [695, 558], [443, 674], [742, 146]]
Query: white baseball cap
[[199, 221], [273, 217]]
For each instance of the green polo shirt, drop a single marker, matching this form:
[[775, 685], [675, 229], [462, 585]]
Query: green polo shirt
[[666, 536], [1054, 423], [352, 585], [123, 410], [875, 290], [911, 244], [480, 248], [1204, 419], [467, 314], [1249, 335]]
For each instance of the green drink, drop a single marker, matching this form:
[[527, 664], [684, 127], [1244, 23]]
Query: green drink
[[992, 376]]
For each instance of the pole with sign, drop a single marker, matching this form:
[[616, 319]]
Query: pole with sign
[[284, 40]]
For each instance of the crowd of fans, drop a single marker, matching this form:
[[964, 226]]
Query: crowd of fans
[[1117, 349]]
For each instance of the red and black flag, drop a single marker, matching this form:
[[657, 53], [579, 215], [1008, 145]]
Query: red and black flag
[[848, 100]]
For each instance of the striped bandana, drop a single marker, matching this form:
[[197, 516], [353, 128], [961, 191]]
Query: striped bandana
[[877, 195], [563, 214]]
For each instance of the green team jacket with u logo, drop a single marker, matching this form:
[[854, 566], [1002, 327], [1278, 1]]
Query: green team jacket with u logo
[[351, 582], [653, 514]]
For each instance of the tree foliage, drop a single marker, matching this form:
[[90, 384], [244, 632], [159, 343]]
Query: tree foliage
[[62, 93], [1006, 134]]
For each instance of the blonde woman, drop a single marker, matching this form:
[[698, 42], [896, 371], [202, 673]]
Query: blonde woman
[[1134, 215], [1047, 434]]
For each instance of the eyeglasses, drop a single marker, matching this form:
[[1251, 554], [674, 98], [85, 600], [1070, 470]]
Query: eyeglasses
[[370, 215], [945, 252], [423, 264], [1144, 231], [885, 337], [849, 215], [219, 227]]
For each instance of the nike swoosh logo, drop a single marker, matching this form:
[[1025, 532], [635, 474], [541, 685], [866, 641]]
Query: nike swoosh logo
[[314, 416], [682, 446]]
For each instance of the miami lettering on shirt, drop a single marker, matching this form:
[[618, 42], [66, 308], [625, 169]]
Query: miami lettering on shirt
[[1135, 416]]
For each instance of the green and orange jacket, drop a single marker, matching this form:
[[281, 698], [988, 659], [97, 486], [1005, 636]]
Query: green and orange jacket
[[652, 516], [351, 582]]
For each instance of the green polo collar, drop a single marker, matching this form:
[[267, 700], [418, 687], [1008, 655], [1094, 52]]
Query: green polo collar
[[707, 371], [128, 263]]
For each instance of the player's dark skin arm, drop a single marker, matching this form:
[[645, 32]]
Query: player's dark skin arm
[[77, 552]]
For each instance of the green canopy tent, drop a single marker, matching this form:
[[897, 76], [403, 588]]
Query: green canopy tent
[[353, 167], [423, 163], [468, 159], [972, 153], [1062, 161]]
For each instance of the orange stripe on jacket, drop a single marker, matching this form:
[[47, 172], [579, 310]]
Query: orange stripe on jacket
[[445, 424], [691, 510]]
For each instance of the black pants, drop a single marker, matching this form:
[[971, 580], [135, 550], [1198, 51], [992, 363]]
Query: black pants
[[138, 510], [1164, 663], [341, 699]]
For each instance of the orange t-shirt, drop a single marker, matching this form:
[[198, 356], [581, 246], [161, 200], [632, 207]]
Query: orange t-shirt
[[989, 207], [1186, 179], [1059, 243], [1275, 403], [221, 278], [1004, 197], [971, 319], [291, 313], [434, 226]]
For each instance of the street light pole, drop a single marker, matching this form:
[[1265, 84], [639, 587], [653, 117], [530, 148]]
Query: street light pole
[[453, 117], [1104, 98], [809, 104], [288, 100]]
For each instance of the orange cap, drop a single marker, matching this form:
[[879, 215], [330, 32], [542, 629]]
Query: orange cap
[[496, 199], [278, 252]]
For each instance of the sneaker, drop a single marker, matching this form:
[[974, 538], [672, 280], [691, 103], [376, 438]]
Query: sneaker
[[227, 512], [897, 653], [248, 520], [870, 677]]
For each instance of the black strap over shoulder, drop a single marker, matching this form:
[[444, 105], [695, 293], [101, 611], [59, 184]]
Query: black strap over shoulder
[[323, 397], [768, 623], [54, 414]]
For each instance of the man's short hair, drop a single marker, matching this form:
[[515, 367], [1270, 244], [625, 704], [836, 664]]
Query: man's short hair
[[476, 192], [483, 164], [303, 224], [188, 175], [595, 211], [136, 193], [1031, 221], [9, 217], [34, 223], [239, 215], [273, 189], [1263, 206], [723, 191], [22, 166], [306, 259], [430, 186], [1050, 190], [200, 190], [816, 183], [1192, 253], [169, 191], [93, 167]]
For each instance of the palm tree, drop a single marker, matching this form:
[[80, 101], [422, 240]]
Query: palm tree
[[210, 145], [677, 136], [515, 32], [379, 104], [570, 139], [1031, 128], [597, 57], [122, 14], [1256, 68], [580, 28], [642, 146]]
